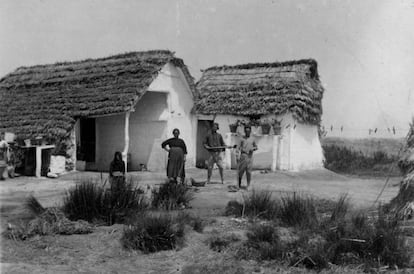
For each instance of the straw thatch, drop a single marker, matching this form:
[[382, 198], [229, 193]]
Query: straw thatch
[[403, 204], [47, 99], [260, 89]]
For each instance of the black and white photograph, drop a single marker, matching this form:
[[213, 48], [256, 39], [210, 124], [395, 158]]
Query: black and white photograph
[[206, 136]]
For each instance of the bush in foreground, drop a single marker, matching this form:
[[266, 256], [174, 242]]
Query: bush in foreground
[[375, 241], [171, 196], [153, 233], [341, 238], [257, 204], [298, 210], [263, 243], [46, 221], [93, 202]]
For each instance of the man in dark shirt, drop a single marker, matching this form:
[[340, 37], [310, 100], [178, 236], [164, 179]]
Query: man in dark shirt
[[215, 145]]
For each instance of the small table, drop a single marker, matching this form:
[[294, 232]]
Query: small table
[[39, 157]]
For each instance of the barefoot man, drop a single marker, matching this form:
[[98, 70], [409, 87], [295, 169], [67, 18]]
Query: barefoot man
[[215, 145], [245, 163]]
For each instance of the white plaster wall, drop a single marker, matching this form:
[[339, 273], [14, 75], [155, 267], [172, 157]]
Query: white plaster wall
[[166, 105], [306, 149], [180, 103], [146, 128], [263, 157]]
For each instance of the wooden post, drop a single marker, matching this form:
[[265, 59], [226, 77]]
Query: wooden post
[[126, 146], [38, 161]]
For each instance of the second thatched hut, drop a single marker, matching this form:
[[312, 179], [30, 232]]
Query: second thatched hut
[[287, 93]]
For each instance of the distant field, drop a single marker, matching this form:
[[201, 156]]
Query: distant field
[[367, 146]]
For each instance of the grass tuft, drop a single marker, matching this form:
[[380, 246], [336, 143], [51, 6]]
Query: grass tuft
[[92, 202], [341, 208], [33, 205], [257, 204], [298, 210], [171, 196], [153, 233]]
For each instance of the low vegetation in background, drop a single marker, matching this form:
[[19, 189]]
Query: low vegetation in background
[[93, 202], [324, 234], [344, 160], [171, 196]]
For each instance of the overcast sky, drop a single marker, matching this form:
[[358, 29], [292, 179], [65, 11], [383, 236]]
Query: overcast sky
[[365, 49]]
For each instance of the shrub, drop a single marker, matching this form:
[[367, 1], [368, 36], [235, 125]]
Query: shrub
[[49, 222], [33, 205], [263, 243], [90, 201], [375, 242], [196, 223], [308, 251], [171, 196], [153, 233], [234, 208], [220, 265], [221, 242], [298, 210], [343, 159], [341, 208], [256, 204], [84, 202]]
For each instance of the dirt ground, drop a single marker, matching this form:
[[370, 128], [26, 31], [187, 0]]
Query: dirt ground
[[101, 251]]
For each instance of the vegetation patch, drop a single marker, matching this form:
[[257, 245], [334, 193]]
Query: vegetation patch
[[298, 209], [344, 160], [219, 242], [92, 202], [153, 232], [324, 234], [257, 204], [171, 196], [47, 221]]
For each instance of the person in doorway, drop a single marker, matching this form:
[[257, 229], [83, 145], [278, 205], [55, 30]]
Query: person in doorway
[[215, 145], [117, 171], [245, 162], [177, 154], [3, 155]]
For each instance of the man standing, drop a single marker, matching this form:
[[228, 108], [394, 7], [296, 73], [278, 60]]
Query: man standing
[[245, 163], [215, 145]]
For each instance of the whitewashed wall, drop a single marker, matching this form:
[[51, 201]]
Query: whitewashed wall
[[297, 148], [180, 103], [166, 105], [306, 149]]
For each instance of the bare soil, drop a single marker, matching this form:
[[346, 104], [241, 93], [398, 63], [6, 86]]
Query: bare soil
[[101, 251]]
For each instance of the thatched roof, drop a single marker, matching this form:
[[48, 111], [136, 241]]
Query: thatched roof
[[47, 99], [260, 89]]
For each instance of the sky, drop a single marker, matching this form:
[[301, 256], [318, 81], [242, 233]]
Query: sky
[[364, 49]]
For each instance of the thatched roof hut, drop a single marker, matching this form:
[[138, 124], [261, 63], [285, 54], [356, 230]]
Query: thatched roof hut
[[47, 99], [261, 89]]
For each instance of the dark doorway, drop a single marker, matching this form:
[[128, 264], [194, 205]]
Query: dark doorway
[[87, 140], [203, 128]]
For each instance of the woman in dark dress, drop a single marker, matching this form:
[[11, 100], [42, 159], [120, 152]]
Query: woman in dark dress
[[177, 153], [117, 171]]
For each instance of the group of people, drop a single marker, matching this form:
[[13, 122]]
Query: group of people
[[215, 145]]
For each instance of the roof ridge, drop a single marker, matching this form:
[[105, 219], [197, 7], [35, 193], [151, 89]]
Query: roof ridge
[[308, 61], [113, 56]]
